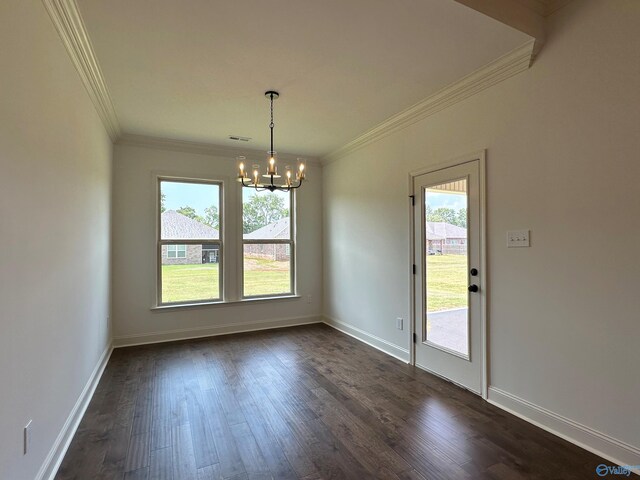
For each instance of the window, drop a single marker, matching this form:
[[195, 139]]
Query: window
[[176, 251], [189, 243], [268, 243]]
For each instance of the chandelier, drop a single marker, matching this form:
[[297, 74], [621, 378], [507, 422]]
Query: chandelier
[[268, 182]]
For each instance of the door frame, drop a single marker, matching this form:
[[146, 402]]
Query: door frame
[[479, 156]]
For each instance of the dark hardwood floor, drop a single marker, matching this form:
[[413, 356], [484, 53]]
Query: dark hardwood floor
[[299, 403]]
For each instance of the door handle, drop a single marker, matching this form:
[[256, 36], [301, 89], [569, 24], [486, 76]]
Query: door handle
[[474, 288]]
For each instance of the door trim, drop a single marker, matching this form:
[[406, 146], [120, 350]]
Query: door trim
[[479, 156]]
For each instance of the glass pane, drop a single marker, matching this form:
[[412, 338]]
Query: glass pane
[[189, 211], [447, 308], [267, 269], [193, 275], [265, 215]]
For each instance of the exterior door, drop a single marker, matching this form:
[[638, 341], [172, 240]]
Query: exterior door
[[449, 291]]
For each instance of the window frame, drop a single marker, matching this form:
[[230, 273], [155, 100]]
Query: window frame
[[291, 241], [160, 242]]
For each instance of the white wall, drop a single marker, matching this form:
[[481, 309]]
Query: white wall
[[134, 268], [562, 160], [55, 176]]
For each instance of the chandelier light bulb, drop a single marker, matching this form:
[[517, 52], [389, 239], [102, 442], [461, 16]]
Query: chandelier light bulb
[[241, 168], [301, 171], [271, 168]]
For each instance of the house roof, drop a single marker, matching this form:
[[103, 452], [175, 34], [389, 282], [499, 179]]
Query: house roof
[[443, 230], [175, 226], [276, 230]]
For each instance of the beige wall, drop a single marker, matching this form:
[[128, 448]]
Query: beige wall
[[134, 265], [562, 160], [55, 175]]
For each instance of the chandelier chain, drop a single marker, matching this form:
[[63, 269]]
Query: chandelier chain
[[271, 125]]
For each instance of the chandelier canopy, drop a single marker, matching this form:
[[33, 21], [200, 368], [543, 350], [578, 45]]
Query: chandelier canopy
[[268, 182]]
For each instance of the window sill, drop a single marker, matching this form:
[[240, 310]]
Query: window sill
[[165, 308]]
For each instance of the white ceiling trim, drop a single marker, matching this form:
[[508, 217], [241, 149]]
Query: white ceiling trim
[[207, 149], [504, 67], [68, 22]]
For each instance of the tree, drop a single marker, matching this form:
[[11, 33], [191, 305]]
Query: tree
[[262, 210], [462, 218], [442, 214], [191, 213], [163, 197], [211, 217], [448, 215]]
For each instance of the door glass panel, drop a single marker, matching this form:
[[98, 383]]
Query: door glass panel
[[446, 296]]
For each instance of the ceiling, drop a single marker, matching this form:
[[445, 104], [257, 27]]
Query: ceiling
[[196, 70]]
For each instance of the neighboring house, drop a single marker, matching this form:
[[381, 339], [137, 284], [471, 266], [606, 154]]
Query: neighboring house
[[176, 226], [278, 230], [446, 238]]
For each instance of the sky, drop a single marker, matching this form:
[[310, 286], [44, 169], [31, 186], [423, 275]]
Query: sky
[[201, 196], [198, 195], [450, 200]]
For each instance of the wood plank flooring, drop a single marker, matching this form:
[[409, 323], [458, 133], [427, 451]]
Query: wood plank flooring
[[299, 403]]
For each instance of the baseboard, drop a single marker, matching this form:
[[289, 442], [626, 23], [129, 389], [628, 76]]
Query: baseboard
[[374, 341], [211, 331], [51, 464], [599, 443]]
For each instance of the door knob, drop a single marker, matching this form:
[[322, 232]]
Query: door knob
[[473, 288]]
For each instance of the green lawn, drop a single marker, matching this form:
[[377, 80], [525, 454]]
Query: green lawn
[[183, 283], [266, 277], [446, 282]]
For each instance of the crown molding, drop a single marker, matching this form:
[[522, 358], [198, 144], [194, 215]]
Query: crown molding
[[204, 148], [504, 67], [68, 22]]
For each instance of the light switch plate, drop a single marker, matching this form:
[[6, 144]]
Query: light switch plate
[[517, 238]]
